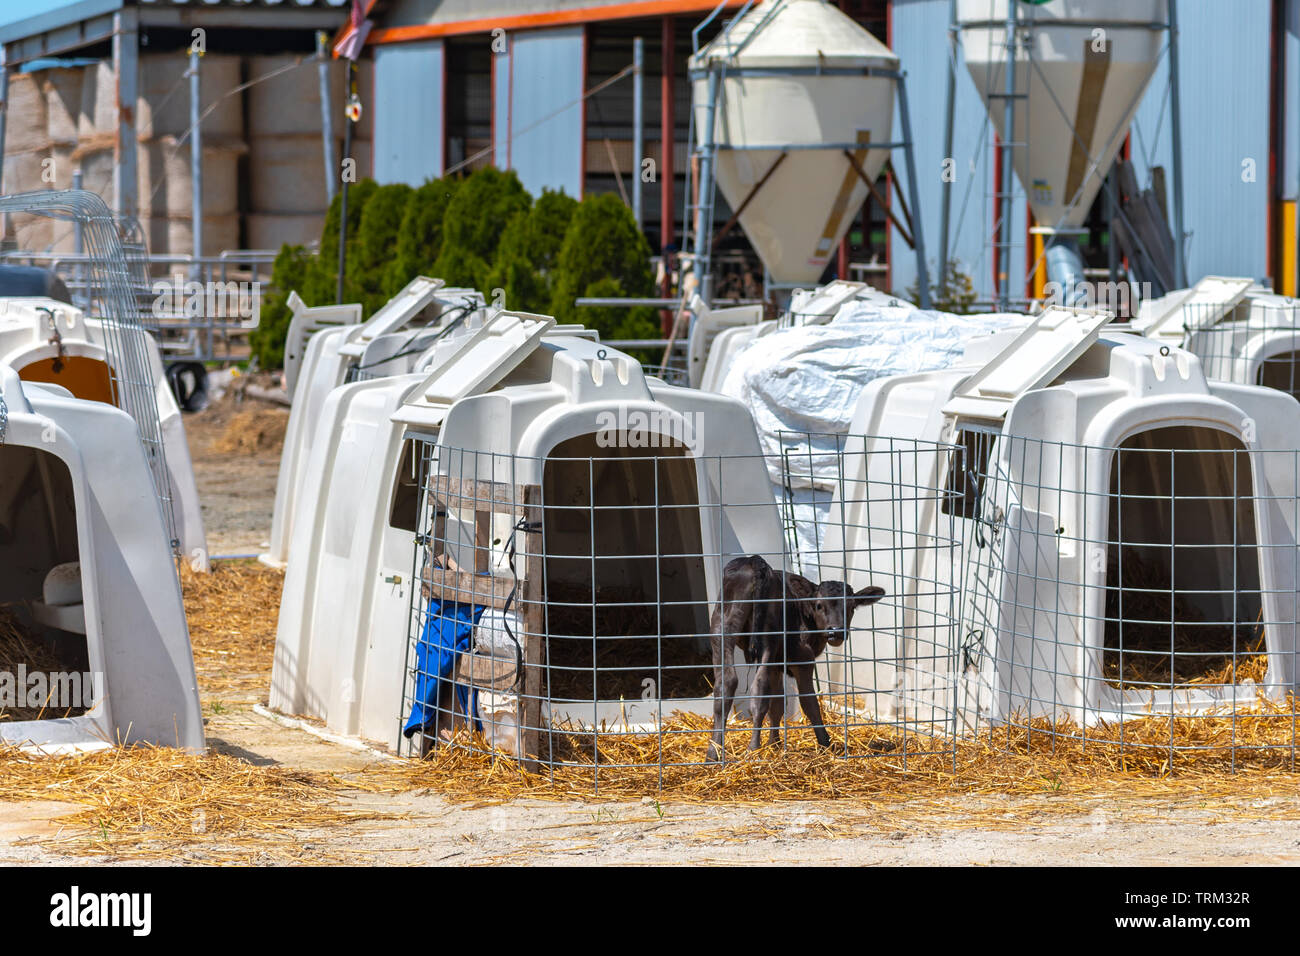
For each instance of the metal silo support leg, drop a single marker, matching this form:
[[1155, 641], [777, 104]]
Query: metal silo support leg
[[945, 213], [1176, 133], [704, 199], [909, 160], [1008, 162]]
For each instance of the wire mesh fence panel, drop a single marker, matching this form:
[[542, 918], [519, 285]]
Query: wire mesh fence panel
[[112, 299], [875, 514], [1256, 342], [1141, 596], [608, 607], [671, 374], [135, 249]]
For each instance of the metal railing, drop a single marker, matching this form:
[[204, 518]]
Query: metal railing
[[200, 308]]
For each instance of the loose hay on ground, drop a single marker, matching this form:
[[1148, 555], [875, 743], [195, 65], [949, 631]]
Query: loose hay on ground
[[251, 431], [149, 800], [1026, 761], [232, 613], [1057, 773], [22, 645]]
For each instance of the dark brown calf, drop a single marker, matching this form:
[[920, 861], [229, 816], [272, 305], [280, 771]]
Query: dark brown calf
[[781, 622]]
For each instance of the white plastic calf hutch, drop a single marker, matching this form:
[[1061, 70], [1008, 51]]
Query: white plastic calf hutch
[[307, 321], [45, 340], [92, 627], [719, 335], [633, 493], [1241, 331], [1129, 528], [390, 342]]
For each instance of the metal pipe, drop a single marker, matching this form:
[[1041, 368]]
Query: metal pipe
[[196, 158], [1176, 130], [704, 193], [667, 133], [638, 124], [78, 230], [909, 160], [1293, 12], [945, 207], [126, 69], [4, 108], [1008, 138], [803, 147], [1065, 270], [343, 200], [326, 116], [1112, 210]]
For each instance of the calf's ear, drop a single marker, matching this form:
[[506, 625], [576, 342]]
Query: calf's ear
[[868, 595], [808, 614]]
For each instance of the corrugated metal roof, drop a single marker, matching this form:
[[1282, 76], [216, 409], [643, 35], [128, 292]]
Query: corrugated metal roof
[[283, 4], [19, 21]]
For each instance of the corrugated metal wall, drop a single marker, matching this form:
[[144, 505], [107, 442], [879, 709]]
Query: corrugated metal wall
[[408, 112], [1290, 171], [1225, 94], [1289, 175], [1224, 84], [542, 114], [1225, 109], [920, 38]]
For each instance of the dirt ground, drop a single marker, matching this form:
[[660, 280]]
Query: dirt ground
[[236, 445], [405, 824]]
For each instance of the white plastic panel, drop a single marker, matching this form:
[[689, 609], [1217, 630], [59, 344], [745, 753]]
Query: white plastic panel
[[490, 352], [1034, 358], [399, 310], [706, 325], [1205, 304], [823, 302]]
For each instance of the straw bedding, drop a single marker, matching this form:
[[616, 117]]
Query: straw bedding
[[232, 613], [252, 431], [147, 801], [1014, 761], [1138, 617], [21, 643]]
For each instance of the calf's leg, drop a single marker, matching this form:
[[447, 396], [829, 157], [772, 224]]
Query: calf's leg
[[812, 708], [776, 709], [724, 691], [762, 704]]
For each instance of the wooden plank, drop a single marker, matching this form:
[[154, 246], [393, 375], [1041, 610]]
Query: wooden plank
[[482, 540], [462, 587], [1158, 188], [468, 493], [486, 672], [534, 616]]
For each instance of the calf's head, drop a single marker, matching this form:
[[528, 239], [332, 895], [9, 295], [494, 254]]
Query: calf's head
[[829, 610]]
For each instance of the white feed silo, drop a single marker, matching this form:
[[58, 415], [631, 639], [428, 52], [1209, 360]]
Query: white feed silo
[[1080, 70], [793, 106]]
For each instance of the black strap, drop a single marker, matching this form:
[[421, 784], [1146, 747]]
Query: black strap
[[526, 526]]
